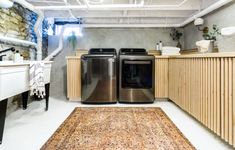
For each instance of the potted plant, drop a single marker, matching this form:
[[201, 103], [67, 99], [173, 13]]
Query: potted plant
[[211, 35], [176, 35], [72, 40]]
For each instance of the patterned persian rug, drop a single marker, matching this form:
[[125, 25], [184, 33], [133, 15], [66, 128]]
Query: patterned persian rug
[[117, 128]]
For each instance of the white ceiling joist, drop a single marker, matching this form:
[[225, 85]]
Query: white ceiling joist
[[121, 14], [116, 13], [84, 7]]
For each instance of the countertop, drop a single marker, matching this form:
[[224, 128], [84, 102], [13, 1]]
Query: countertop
[[11, 63], [157, 55], [205, 55]]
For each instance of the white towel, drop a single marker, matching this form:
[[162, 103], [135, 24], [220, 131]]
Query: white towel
[[36, 74], [170, 49]]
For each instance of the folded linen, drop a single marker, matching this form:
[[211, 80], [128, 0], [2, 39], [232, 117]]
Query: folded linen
[[36, 74], [170, 49]]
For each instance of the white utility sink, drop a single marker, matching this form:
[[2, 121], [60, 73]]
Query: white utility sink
[[14, 77]]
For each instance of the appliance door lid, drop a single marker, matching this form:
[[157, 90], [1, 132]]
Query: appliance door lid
[[145, 62], [96, 56], [98, 79]]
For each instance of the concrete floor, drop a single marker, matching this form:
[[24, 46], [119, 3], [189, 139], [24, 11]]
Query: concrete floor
[[29, 129]]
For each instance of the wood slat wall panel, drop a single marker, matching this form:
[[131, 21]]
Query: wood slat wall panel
[[161, 78], [205, 88], [74, 79]]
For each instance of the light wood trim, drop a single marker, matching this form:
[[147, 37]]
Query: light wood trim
[[79, 53], [189, 51], [230, 96], [218, 97], [222, 98], [205, 55], [226, 101], [74, 79], [233, 101]]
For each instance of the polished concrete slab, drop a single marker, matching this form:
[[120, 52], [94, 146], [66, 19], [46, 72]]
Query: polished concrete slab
[[29, 129]]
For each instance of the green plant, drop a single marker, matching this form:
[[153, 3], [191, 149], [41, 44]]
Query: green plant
[[211, 35], [175, 34], [72, 40]]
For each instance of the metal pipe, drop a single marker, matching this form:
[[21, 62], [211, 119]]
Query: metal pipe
[[206, 11]]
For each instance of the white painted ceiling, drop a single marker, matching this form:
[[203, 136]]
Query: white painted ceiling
[[123, 12]]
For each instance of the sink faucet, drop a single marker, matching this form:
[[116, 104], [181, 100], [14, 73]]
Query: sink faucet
[[9, 49], [1, 57]]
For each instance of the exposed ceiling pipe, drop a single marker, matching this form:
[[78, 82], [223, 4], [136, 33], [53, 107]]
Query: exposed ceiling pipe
[[206, 11], [46, 1], [61, 44], [129, 25], [141, 4], [211, 8], [85, 7], [177, 5], [78, 1], [70, 12]]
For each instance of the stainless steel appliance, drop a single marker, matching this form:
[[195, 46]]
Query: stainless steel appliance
[[99, 80], [136, 76]]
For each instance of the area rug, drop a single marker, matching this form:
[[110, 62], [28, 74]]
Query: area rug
[[117, 128]]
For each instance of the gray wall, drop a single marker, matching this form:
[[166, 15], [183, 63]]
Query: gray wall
[[129, 37], [223, 17], [105, 37]]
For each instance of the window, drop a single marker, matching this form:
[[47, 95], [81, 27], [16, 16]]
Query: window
[[68, 30]]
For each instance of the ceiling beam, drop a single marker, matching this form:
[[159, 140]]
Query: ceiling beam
[[129, 25], [91, 14], [84, 7], [46, 1]]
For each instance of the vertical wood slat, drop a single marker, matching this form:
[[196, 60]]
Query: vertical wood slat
[[214, 95], [201, 90], [222, 98], [233, 100], [161, 78], [74, 79], [206, 93], [226, 101], [230, 118], [209, 94], [218, 98]]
